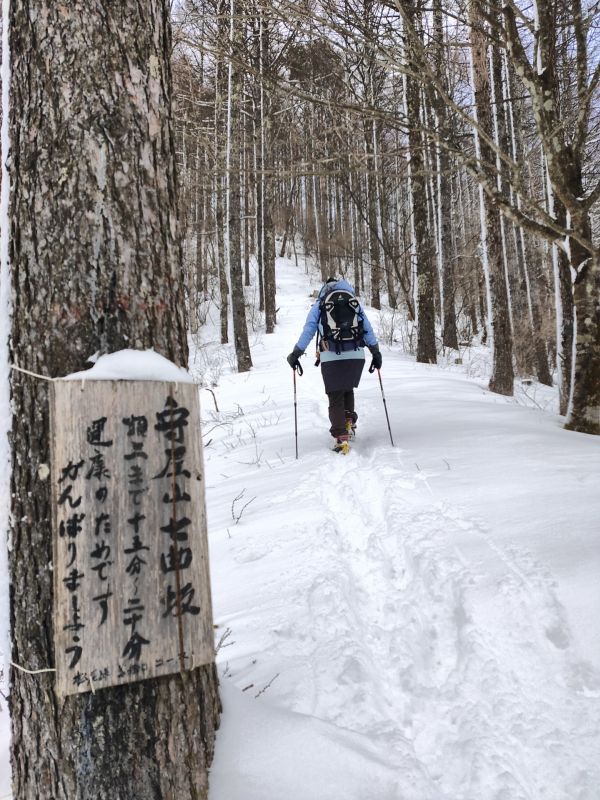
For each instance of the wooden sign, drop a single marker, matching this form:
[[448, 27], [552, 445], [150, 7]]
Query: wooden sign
[[131, 578]]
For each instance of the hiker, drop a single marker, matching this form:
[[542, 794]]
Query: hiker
[[343, 331]]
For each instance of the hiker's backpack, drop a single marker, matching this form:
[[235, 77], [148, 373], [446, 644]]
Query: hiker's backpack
[[341, 320]]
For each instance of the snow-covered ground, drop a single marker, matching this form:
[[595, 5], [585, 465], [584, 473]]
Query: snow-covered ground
[[407, 623], [411, 622]]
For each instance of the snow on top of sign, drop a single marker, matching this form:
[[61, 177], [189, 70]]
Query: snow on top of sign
[[133, 365]]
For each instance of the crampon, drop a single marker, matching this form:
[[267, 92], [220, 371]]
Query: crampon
[[342, 445]]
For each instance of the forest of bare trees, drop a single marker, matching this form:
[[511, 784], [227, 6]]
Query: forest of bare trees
[[442, 156]]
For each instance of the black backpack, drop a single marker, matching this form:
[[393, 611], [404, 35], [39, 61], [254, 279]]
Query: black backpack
[[341, 319]]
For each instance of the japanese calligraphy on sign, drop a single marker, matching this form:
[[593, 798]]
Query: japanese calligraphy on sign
[[130, 558]]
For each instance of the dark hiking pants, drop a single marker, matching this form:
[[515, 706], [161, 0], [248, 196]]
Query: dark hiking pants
[[339, 403]]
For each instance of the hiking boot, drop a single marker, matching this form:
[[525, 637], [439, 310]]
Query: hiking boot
[[351, 418]]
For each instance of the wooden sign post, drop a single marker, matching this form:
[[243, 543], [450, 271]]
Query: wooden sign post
[[131, 577]]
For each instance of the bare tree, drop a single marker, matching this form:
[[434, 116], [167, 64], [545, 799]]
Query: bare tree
[[233, 196], [449, 334], [502, 377], [424, 250], [564, 139], [333, 81]]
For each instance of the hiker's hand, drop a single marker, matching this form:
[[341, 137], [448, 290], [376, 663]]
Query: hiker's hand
[[377, 358], [293, 359]]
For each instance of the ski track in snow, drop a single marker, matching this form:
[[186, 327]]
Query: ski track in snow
[[369, 612], [395, 651]]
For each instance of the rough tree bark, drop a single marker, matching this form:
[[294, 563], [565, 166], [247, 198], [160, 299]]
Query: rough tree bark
[[566, 332], [97, 266]]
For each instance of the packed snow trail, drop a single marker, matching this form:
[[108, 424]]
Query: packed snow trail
[[400, 623]]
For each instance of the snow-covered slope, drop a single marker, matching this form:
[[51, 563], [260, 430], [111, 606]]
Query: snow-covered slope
[[408, 623]]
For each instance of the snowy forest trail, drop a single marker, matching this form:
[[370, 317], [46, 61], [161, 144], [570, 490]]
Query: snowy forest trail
[[415, 622], [432, 599], [409, 622]]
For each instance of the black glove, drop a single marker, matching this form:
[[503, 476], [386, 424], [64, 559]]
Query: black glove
[[377, 359], [293, 361]]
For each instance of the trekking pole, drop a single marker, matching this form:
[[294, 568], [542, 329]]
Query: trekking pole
[[300, 370], [385, 407]]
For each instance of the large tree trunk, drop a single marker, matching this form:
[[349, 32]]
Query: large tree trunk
[[585, 402], [96, 266]]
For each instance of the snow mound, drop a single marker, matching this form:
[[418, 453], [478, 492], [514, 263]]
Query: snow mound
[[134, 365]]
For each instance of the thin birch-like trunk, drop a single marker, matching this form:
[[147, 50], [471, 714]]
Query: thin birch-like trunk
[[232, 171], [423, 243], [268, 227], [444, 192], [219, 184], [372, 215], [502, 378]]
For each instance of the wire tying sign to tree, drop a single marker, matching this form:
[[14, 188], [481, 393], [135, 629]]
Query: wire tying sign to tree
[[131, 579]]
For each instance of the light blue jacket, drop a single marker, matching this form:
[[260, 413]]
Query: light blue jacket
[[312, 325]]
